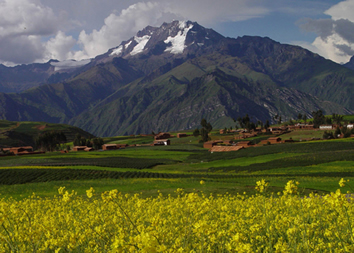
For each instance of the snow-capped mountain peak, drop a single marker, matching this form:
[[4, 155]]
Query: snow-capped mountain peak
[[179, 41], [170, 38]]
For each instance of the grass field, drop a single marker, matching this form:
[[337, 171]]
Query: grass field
[[317, 165]]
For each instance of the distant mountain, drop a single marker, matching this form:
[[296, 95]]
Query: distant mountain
[[170, 77], [23, 77]]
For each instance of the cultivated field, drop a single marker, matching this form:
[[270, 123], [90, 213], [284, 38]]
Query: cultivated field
[[180, 198], [318, 165]]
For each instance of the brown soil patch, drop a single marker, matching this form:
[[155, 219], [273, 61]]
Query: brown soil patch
[[41, 127]]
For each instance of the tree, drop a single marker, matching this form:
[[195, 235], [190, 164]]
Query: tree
[[204, 134], [318, 118], [50, 141], [206, 129], [300, 116], [266, 125], [337, 119], [337, 132], [196, 132], [304, 117], [279, 120], [79, 140], [97, 143], [328, 135]]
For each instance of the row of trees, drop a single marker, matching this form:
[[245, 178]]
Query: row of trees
[[50, 141], [318, 118], [95, 143], [343, 132], [245, 122], [54, 140]]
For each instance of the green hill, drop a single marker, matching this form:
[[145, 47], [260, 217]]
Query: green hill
[[13, 134]]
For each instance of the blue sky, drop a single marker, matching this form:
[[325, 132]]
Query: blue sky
[[39, 30]]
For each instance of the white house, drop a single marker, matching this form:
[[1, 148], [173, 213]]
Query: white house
[[326, 127]]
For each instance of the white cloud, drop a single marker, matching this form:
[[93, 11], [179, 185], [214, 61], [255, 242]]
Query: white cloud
[[120, 27], [59, 47], [20, 49], [22, 25], [335, 39], [342, 10], [330, 48], [26, 17], [41, 30], [69, 64], [211, 11]]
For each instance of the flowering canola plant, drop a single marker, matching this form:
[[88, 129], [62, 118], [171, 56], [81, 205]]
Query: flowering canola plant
[[189, 222]]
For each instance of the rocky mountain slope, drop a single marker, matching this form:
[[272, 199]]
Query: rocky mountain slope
[[169, 77]]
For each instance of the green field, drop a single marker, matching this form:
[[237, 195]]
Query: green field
[[317, 165]]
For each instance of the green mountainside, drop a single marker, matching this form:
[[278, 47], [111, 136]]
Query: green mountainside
[[214, 77], [14, 134]]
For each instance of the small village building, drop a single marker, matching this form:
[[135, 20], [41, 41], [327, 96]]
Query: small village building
[[274, 140], [326, 127], [79, 148], [249, 135], [225, 148], [308, 127], [293, 127], [109, 146], [89, 149], [350, 126], [122, 145], [277, 132], [228, 141], [210, 144], [272, 129], [244, 144], [19, 150], [164, 142], [162, 136], [181, 135]]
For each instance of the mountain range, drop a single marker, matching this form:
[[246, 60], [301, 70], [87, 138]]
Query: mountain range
[[170, 77]]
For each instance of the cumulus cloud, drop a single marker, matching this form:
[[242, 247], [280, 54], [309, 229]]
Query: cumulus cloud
[[25, 17], [335, 35], [23, 23], [121, 26], [59, 47], [20, 49], [31, 31], [342, 10]]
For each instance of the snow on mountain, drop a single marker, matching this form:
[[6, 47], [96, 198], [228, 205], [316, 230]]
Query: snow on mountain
[[139, 48], [117, 51], [179, 41], [168, 39]]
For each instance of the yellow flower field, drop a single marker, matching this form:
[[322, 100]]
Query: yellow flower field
[[190, 222]]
